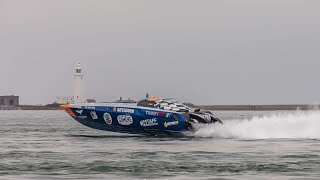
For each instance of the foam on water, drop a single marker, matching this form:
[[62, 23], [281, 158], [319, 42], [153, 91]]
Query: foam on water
[[295, 125]]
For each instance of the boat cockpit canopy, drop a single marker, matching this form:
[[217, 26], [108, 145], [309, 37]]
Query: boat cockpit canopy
[[165, 104]]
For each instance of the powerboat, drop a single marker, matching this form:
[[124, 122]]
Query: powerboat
[[152, 115]]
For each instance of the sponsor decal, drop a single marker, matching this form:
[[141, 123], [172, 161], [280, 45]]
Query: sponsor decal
[[107, 118], [155, 113], [125, 120], [90, 107], [149, 122], [124, 110], [94, 115], [206, 116], [79, 111], [167, 124]]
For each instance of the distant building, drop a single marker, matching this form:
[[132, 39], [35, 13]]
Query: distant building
[[125, 101], [9, 100]]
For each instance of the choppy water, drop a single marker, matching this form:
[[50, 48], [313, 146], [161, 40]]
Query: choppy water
[[255, 145]]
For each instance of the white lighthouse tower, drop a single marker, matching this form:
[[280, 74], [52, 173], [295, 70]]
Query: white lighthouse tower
[[78, 87]]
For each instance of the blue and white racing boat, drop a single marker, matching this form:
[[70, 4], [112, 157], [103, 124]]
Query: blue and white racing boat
[[148, 116]]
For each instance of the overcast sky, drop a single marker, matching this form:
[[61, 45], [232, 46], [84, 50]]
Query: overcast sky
[[201, 51]]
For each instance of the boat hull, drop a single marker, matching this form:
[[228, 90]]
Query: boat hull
[[128, 119]]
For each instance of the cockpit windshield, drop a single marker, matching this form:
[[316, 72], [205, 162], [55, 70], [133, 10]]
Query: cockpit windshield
[[165, 104]]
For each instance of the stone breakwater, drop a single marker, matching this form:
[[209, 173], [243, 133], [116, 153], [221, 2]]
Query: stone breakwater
[[28, 107], [6, 107], [205, 107], [260, 107], [31, 107]]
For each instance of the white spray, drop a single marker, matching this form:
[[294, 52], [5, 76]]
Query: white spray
[[298, 124]]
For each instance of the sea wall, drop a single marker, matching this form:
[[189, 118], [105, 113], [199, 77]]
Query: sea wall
[[6, 107], [31, 107], [206, 107], [260, 107]]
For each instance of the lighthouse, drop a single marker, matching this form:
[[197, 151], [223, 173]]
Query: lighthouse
[[78, 85]]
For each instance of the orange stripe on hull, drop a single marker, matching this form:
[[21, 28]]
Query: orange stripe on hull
[[71, 112], [68, 109]]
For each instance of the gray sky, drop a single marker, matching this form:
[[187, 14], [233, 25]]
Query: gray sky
[[202, 51]]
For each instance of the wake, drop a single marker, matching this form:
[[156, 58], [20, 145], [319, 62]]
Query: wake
[[295, 125]]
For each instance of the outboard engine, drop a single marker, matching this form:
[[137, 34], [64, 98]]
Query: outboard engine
[[202, 117]]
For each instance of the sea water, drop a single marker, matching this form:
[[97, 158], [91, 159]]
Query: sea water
[[249, 145]]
